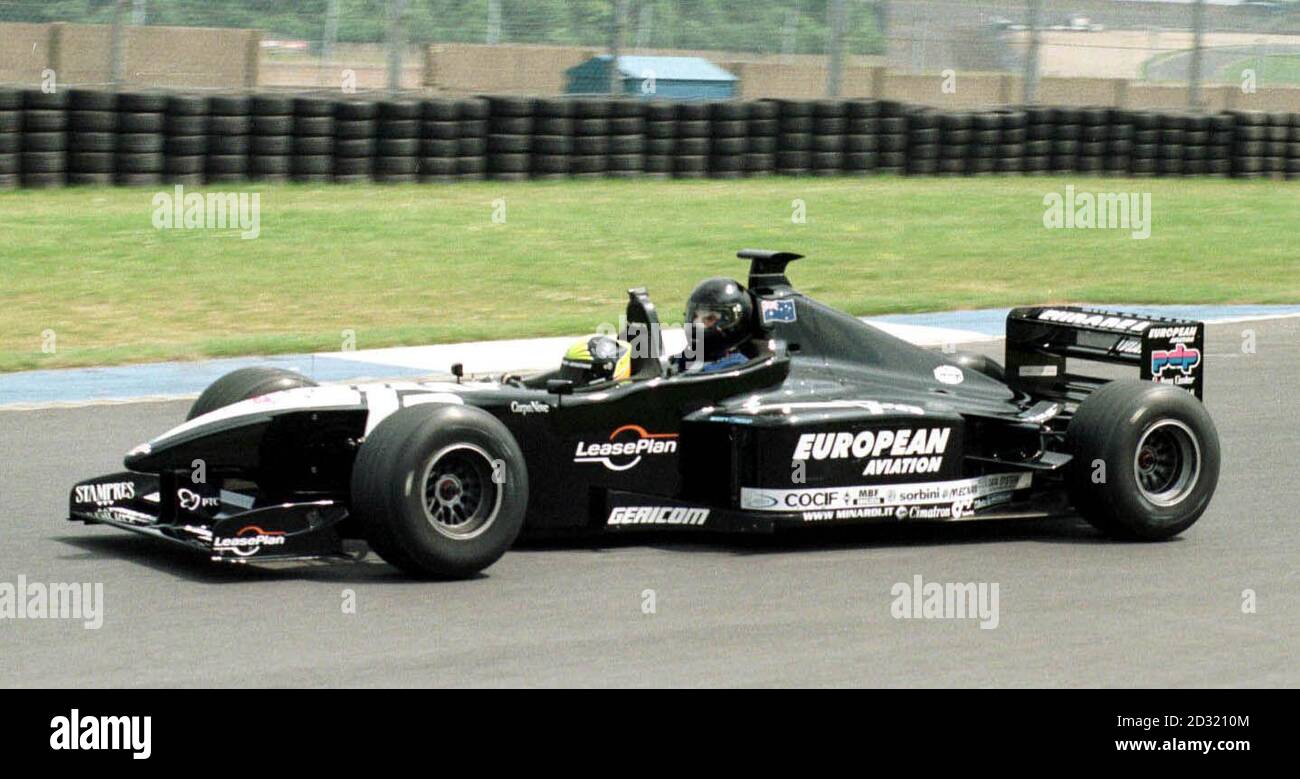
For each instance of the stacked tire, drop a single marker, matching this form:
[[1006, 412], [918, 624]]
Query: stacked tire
[[92, 128], [510, 135], [1275, 150], [590, 138], [397, 153], [954, 143], [892, 140], [270, 150], [1094, 132], [11, 125], [313, 140], [985, 143], [922, 142], [794, 141], [185, 140], [728, 128], [1012, 135], [229, 126], [140, 121], [660, 141], [1038, 140], [471, 148], [1172, 130], [1119, 143], [691, 158], [1196, 137], [439, 134], [763, 128], [552, 141], [1065, 139], [1250, 139], [355, 128], [1293, 149], [45, 138], [830, 121], [626, 138], [1218, 149], [1146, 144]]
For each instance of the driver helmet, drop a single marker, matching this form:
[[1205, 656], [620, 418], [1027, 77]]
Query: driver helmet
[[719, 313], [597, 358]]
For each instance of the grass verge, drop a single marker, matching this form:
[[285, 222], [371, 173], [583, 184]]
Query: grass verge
[[423, 264]]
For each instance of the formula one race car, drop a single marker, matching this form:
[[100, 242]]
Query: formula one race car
[[827, 420]]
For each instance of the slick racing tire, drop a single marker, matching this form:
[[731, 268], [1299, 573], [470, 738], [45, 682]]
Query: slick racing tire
[[243, 384], [440, 491], [1160, 453]]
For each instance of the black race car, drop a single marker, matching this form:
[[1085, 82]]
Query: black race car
[[828, 421]]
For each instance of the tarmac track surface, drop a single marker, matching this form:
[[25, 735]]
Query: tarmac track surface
[[805, 609]]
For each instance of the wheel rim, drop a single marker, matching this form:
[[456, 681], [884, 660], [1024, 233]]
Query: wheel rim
[[1167, 463], [461, 499]]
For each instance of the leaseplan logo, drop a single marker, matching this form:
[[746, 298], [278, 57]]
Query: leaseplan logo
[[249, 540], [625, 448]]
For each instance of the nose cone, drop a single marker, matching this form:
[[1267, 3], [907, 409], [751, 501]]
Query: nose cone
[[137, 455]]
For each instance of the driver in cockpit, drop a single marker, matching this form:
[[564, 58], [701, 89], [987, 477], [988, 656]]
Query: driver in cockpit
[[718, 325], [595, 359]]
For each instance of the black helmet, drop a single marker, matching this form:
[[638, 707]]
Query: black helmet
[[719, 313]]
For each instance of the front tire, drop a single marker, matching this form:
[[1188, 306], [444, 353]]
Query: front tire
[[1146, 460], [440, 491], [244, 384]]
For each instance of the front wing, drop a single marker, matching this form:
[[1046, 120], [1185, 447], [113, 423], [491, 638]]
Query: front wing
[[226, 525]]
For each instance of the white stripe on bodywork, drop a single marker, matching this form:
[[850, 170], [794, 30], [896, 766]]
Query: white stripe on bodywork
[[383, 401], [300, 398]]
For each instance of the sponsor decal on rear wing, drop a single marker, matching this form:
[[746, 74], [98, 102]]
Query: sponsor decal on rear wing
[[1040, 339]]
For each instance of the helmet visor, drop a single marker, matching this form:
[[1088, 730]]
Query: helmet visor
[[716, 317]]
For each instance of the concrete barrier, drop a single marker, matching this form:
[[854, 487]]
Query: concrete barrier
[[25, 52], [152, 55]]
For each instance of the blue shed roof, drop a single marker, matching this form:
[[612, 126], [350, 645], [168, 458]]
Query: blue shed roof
[[670, 68]]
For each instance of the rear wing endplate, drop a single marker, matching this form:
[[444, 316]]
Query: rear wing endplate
[[1040, 339]]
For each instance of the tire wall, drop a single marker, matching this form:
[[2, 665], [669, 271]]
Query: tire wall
[[83, 137]]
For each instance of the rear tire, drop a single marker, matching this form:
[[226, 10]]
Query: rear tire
[[440, 491], [244, 384], [1160, 453]]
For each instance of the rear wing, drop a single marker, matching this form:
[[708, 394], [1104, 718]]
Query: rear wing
[[1040, 339]]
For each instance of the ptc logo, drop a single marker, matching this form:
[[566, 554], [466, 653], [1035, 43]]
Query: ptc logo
[[625, 448], [193, 501]]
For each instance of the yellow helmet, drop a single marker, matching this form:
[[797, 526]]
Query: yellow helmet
[[597, 358]]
